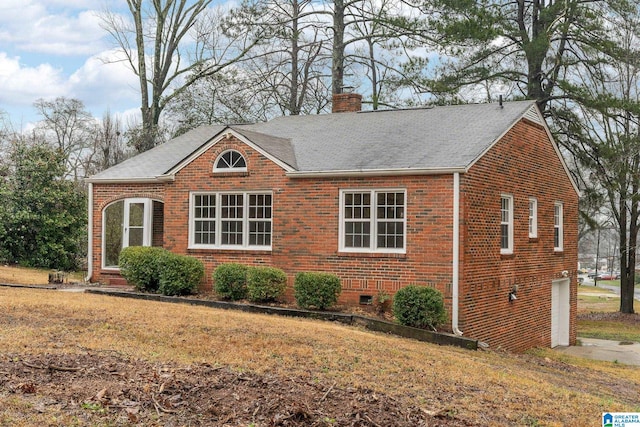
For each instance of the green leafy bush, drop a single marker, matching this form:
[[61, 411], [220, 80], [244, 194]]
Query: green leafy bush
[[265, 283], [230, 281], [139, 265], [153, 269], [419, 306], [179, 274], [43, 215], [319, 290]]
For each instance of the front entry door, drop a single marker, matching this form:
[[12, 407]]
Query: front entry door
[[136, 223]]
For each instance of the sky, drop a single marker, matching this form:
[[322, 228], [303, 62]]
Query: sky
[[54, 48]]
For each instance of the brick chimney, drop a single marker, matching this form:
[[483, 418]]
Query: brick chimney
[[346, 102]]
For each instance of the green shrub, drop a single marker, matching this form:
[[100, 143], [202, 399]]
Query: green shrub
[[154, 269], [319, 290], [179, 274], [230, 281], [419, 306], [265, 283], [139, 266]]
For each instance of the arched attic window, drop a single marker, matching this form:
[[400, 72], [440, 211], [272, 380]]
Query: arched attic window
[[230, 161]]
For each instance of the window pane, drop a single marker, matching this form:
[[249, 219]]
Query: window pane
[[357, 206], [230, 160], [260, 209], [557, 226], [136, 236], [390, 205], [232, 206], [504, 237], [205, 232], [357, 235], [391, 235], [205, 206], [114, 222], [231, 232], [136, 215], [260, 233]]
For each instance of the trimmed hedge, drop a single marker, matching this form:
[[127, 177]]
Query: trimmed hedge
[[154, 269], [265, 284], [179, 274], [319, 290], [230, 281], [139, 266], [419, 306]]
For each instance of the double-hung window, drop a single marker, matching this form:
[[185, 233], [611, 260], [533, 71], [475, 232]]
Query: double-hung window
[[373, 221], [230, 220], [533, 218], [506, 224], [558, 227]]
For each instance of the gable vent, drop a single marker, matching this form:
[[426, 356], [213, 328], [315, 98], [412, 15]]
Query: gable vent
[[533, 115]]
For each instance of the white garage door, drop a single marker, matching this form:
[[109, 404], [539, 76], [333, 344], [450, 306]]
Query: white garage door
[[560, 309]]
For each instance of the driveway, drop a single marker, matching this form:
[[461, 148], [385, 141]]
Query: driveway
[[612, 351], [616, 289]]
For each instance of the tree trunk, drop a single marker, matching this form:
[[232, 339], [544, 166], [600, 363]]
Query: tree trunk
[[294, 107], [337, 67]]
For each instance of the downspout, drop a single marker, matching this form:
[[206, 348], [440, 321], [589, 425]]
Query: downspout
[[456, 255], [90, 233]]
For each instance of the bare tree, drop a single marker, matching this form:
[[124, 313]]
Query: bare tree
[[70, 129], [110, 146], [386, 41], [602, 132], [168, 45]]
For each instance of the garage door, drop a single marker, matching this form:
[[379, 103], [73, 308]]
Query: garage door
[[560, 309]]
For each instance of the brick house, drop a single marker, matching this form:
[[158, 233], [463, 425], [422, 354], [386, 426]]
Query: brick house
[[474, 200]]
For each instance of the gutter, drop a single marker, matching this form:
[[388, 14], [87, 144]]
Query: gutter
[[455, 279], [90, 233], [374, 172], [132, 180]]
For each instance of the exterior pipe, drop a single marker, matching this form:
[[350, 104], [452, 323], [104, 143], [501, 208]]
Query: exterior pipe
[[89, 232], [456, 255]]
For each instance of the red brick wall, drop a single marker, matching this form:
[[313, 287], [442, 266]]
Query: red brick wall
[[103, 195], [522, 165], [305, 225], [305, 232]]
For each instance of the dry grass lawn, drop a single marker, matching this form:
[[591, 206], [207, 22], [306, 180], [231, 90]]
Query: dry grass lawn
[[475, 388], [23, 276]]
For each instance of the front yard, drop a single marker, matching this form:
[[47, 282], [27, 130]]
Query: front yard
[[90, 360]]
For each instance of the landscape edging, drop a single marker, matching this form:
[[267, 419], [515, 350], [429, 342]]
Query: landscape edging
[[348, 319]]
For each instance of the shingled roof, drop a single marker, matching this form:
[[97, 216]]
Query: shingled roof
[[437, 138]]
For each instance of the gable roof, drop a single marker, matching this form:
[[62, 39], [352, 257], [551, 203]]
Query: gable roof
[[449, 138]]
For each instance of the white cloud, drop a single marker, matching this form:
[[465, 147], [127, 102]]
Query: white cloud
[[52, 48], [104, 83], [100, 86], [20, 85], [35, 26]]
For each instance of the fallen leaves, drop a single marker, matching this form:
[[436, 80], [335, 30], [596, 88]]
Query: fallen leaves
[[105, 387]]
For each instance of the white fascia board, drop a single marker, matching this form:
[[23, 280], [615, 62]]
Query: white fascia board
[[132, 180], [374, 172]]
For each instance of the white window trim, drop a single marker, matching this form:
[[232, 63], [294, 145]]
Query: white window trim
[[533, 218], [558, 224], [216, 169], [373, 221], [146, 229], [509, 249], [245, 221]]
